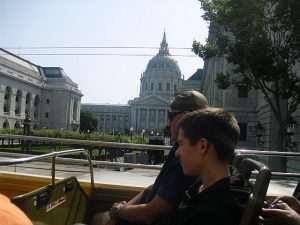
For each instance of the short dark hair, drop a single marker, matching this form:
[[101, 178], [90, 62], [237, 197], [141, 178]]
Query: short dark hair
[[189, 101], [217, 125]]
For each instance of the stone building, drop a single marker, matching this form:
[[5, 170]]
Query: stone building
[[112, 118], [250, 109], [159, 83], [47, 93]]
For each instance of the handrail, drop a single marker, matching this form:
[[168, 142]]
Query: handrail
[[135, 146], [53, 156], [85, 142], [128, 146], [81, 161], [269, 153]]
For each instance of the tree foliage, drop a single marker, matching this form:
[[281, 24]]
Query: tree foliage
[[262, 40], [88, 121]]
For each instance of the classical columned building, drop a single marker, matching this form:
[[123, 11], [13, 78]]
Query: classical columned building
[[159, 83], [50, 97]]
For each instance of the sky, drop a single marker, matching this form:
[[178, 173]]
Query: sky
[[113, 79]]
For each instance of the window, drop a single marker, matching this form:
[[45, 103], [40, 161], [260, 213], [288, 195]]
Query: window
[[243, 131], [175, 87], [47, 101], [145, 87], [160, 86], [152, 86], [243, 92], [47, 115], [168, 86], [28, 98], [36, 101]]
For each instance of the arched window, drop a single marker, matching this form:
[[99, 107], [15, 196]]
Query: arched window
[[36, 106], [17, 125], [5, 124], [18, 102], [7, 96], [28, 103]]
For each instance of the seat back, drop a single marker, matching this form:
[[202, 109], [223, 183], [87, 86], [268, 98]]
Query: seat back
[[65, 203], [237, 159], [260, 187]]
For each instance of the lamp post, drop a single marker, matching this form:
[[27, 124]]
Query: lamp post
[[143, 133], [131, 131], [259, 131], [290, 132], [26, 131]]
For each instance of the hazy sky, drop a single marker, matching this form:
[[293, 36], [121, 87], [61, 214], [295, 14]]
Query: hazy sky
[[100, 23]]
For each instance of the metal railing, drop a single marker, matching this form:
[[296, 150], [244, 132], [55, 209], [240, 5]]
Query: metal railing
[[52, 156], [122, 146]]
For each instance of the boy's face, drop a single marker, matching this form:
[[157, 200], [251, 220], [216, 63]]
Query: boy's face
[[190, 159]]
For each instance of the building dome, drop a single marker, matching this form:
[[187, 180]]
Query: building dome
[[162, 76], [163, 60]]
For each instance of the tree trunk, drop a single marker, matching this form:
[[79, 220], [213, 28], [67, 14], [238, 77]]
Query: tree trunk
[[281, 143]]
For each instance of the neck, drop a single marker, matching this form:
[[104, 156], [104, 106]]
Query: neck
[[213, 174]]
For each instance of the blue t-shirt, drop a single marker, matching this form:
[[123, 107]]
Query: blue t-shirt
[[171, 182]]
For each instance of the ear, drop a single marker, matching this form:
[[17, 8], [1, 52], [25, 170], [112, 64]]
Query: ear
[[202, 145]]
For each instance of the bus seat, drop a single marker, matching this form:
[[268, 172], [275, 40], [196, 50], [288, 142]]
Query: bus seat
[[65, 203], [237, 158], [260, 187]]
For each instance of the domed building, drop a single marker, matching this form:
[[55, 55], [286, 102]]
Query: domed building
[[160, 82], [162, 76]]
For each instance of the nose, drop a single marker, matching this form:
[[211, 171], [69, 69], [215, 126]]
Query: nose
[[177, 153]]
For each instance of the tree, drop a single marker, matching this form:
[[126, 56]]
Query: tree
[[88, 121], [262, 40]]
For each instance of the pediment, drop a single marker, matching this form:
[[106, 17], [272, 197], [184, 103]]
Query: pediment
[[150, 100]]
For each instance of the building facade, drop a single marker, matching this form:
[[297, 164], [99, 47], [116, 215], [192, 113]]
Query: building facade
[[250, 109], [50, 97], [159, 83]]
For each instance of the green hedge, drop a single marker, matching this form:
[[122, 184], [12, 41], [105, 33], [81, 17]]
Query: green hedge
[[138, 139]]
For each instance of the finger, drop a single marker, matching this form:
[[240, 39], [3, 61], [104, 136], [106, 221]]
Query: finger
[[282, 205], [270, 213]]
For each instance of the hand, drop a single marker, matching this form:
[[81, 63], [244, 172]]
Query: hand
[[113, 213], [291, 201], [112, 222], [282, 216]]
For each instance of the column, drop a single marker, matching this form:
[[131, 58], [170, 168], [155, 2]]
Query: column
[[32, 107], [23, 104], [166, 117], [78, 111], [157, 125], [12, 101], [104, 123], [138, 119], [72, 102], [2, 91], [147, 120]]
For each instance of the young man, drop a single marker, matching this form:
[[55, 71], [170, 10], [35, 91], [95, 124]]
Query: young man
[[164, 195], [207, 140]]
